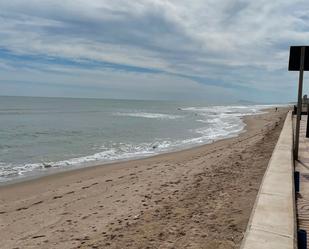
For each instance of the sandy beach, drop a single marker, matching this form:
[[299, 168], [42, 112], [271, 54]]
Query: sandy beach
[[196, 198]]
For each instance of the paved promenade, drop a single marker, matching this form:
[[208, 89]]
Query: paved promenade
[[273, 220], [302, 165]]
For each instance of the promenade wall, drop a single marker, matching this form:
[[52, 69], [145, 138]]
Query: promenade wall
[[272, 224]]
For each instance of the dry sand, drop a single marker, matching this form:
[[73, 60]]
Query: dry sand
[[197, 198]]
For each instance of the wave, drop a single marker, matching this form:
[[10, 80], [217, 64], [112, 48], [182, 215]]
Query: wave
[[222, 121], [148, 115], [216, 110], [120, 151]]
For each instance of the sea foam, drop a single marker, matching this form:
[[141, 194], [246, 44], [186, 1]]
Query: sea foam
[[148, 115]]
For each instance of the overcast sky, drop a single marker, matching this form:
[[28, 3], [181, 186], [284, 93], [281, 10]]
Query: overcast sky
[[151, 49]]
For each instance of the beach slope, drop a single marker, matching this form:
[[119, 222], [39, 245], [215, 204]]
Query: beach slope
[[196, 198]]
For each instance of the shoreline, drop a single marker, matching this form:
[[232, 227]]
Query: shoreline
[[185, 199], [30, 176], [86, 166]]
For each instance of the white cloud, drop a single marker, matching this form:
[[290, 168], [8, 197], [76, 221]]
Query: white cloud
[[241, 43]]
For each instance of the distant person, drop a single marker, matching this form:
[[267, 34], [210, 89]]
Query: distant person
[[276, 108]]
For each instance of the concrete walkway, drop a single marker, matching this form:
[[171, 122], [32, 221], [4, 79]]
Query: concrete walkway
[[302, 165], [273, 220]]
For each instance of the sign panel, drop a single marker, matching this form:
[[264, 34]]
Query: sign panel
[[294, 61]]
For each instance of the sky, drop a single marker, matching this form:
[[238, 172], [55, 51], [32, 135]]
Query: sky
[[214, 50]]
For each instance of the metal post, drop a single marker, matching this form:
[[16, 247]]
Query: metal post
[[307, 131], [296, 181], [299, 104], [302, 239]]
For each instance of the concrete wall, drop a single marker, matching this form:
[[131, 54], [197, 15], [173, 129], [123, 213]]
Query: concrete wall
[[272, 224]]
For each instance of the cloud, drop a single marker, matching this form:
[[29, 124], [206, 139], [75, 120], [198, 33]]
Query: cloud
[[240, 45]]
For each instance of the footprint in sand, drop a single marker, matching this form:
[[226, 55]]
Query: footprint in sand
[[22, 208], [38, 236], [85, 187]]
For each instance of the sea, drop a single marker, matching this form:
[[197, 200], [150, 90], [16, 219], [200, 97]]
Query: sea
[[42, 135]]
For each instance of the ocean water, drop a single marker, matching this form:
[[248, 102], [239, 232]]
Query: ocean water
[[38, 135]]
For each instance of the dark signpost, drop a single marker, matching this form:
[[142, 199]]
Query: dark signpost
[[295, 56], [299, 61]]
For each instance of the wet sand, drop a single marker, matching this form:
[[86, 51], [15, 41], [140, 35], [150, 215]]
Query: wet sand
[[196, 198]]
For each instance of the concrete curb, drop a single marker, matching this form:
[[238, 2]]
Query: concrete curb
[[272, 223]]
